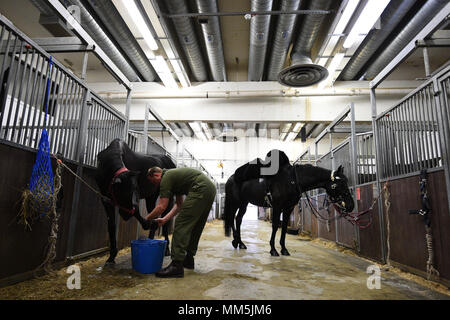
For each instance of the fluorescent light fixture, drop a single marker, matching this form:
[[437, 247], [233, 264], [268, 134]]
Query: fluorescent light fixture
[[182, 80], [164, 72], [206, 130], [297, 127], [346, 15], [334, 64], [198, 131], [140, 23], [370, 14], [291, 136]]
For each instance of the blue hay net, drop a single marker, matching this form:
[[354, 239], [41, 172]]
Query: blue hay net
[[41, 183]]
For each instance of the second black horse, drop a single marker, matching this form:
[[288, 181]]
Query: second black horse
[[286, 187]]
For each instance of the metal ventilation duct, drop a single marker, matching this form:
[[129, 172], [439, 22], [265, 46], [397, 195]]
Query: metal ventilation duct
[[282, 39], [390, 18], [96, 32], [213, 40], [112, 20], [188, 40], [259, 33], [417, 23], [302, 72]]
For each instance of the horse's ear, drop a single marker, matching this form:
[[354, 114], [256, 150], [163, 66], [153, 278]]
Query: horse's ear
[[340, 170]]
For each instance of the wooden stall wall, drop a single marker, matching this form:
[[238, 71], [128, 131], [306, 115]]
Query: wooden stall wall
[[370, 238], [23, 250], [407, 232]]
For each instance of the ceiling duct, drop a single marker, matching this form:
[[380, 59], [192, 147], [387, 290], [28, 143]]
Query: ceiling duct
[[417, 23], [213, 39], [118, 29], [227, 134], [282, 38], [259, 34], [390, 18], [105, 43], [187, 38], [51, 21], [302, 72]]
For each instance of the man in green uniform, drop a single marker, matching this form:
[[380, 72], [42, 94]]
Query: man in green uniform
[[192, 212]]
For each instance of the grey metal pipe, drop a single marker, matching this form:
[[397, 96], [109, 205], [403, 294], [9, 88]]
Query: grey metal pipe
[[99, 36], [213, 40], [188, 40], [112, 20], [390, 18], [259, 34], [303, 72], [417, 23], [282, 39]]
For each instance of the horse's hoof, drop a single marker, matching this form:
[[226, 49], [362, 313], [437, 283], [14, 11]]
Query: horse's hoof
[[274, 253], [284, 252], [235, 243], [242, 246], [109, 264]]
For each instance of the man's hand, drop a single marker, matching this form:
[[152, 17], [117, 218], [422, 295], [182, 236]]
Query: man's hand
[[161, 221]]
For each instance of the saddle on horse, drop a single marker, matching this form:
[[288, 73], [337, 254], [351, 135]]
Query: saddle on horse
[[263, 169]]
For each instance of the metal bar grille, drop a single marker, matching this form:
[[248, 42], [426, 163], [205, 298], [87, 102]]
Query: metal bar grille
[[410, 135]]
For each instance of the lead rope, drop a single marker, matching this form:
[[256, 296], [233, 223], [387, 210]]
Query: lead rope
[[430, 267]]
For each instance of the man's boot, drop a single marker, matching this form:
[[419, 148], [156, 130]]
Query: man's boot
[[188, 261], [173, 270]]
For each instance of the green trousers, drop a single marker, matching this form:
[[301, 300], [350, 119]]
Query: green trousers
[[192, 217]]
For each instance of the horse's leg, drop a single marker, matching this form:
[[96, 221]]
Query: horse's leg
[[275, 223], [110, 214], [235, 241], [239, 216], [166, 237], [286, 215]]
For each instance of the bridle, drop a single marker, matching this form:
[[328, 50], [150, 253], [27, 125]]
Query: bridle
[[114, 201]]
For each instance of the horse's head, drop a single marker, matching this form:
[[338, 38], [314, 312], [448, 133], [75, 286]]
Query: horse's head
[[125, 193], [338, 192]]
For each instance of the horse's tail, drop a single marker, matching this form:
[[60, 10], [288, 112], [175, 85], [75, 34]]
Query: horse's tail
[[229, 214]]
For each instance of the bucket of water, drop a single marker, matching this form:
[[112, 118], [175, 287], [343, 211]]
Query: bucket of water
[[147, 255]]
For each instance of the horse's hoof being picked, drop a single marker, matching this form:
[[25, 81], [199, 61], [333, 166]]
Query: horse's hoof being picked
[[234, 243], [242, 246]]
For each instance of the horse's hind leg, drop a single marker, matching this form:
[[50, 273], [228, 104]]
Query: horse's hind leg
[[166, 237], [275, 223], [286, 215], [239, 216]]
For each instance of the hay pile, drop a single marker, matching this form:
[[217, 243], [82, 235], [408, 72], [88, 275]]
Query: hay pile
[[95, 281]]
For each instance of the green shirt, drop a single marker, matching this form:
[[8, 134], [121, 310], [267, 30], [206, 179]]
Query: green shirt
[[177, 181]]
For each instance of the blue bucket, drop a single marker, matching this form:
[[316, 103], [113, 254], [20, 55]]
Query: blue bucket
[[147, 255]]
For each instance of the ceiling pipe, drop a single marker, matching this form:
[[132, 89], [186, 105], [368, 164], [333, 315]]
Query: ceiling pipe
[[389, 19], [302, 72], [429, 9], [254, 94], [105, 43], [187, 39], [213, 40], [282, 39], [259, 34], [119, 30]]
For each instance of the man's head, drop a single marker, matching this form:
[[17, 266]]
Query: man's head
[[154, 175]]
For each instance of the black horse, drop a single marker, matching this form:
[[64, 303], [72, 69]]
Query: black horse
[[286, 188], [121, 177]]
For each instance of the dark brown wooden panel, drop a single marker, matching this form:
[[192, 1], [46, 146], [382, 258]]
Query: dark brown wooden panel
[[326, 229], [370, 237], [407, 232]]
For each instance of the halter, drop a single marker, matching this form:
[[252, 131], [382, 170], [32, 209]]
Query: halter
[[111, 190]]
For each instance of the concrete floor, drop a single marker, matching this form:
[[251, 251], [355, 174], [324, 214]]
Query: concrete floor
[[222, 272]]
